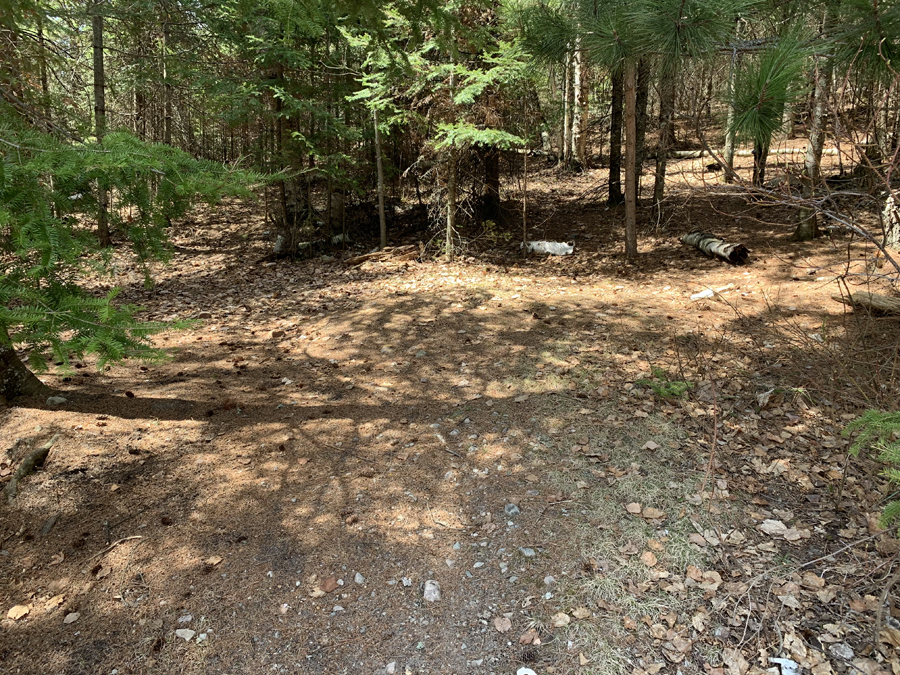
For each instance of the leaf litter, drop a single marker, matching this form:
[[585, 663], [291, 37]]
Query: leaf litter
[[263, 468]]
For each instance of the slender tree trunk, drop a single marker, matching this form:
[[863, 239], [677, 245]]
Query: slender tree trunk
[[167, 85], [631, 251], [568, 105], [728, 154], [489, 209], [579, 108], [807, 228], [642, 97], [42, 56], [615, 138], [666, 112], [760, 157], [382, 222], [451, 176], [100, 119]]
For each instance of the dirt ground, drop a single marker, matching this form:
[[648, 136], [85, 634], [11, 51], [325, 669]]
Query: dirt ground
[[602, 474]]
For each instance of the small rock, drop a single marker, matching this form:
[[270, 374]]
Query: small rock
[[54, 401], [277, 334], [527, 552], [187, 618], [511, 510], [72, 617], [201, 638], [359, 578], [549, 580], [406, 581], [421, 353], [478, 564], [204, 315], [185, 633], [841, 650], [432, 591], [391, 668]]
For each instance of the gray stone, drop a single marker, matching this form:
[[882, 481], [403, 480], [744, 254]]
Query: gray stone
[[54, 401], [432, 592], [511, 510]]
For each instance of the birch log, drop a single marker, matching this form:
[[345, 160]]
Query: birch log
[[871, 301], [711, 245]]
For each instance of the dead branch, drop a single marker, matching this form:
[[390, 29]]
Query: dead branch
[[394, 253], [32, 461], [871, 301]]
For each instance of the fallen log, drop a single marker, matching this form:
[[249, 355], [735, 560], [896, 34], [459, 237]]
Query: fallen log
[[711, 245], [32, 461], [871, 301], [397, 253]]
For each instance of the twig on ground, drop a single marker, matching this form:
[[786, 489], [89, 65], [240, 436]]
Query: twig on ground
[[109, 548], [32, 461]]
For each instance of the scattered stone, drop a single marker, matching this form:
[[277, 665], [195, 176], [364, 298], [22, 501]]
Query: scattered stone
[[186, 633], [277, 334], [527, 552], [54, 401], [406, 581], [201, 638], [204, 315], [421, 353], [391, 668], [359, 578], [432, 592], [511, 510], [72, 617], [549, 580], [841, 650], [187, 618]]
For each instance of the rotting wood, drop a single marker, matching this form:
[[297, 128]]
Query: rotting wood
[[711, 245], [32, 461], [393, 253], [871, 301]]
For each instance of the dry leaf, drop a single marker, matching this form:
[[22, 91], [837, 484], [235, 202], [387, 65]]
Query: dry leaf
[[633, 508], [502, 624], [57, 559], [529, 637], [582, 659], [651, 513], [55, 602], [735, 661], [658, 631], [773, 527], [17, 612], [329, 584], [629, 623], [581, 613], [560, 620], [648, 558], [649, 445], [694, 572]]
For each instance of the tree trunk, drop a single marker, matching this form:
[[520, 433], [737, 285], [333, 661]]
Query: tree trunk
[[579, 108], [729, 130], [760, 156], [808, 227], [489, 208], [615, 139], [167, 85], [382, 223], [15, 378], [641, 100], [100, 119], [451, 178], [666, 112], [568, 104], [631, 251]]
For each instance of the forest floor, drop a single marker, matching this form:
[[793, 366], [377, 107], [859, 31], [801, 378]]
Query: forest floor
[[601, 474]]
